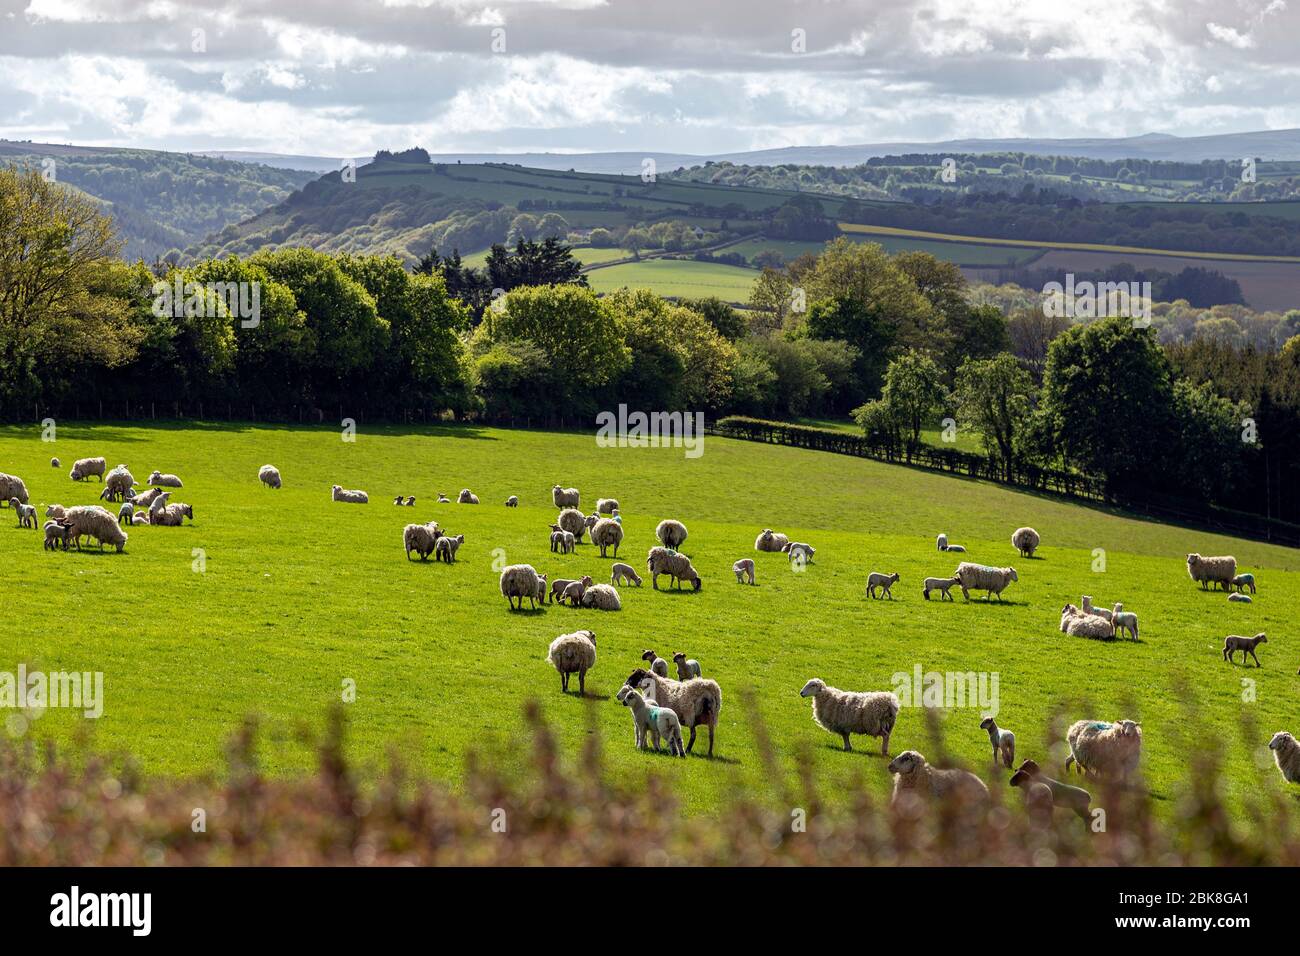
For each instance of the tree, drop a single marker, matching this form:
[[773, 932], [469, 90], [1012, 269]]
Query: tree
[[870, 334], [1031, 332], [729, 322], [913, 389], [994, 397], [863, 271], [549, 262], [772, 299], [634, 240], [977, 333]]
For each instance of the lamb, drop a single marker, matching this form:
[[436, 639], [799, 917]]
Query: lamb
[[798, 551], [126, 513], [559, 584], [56, 533], [54, 511], [26, 513], [660, 721], [512, 501], [1025, 540], [443, 499], [54, 463], [466, 497], [119, 484], [677, 566], [1217, 570], [1099, 611], [1004, 741], [606, 506], [95, 522], [1101, 748], [159, 503], [845, 712], [522, 581], [657, 664], [561, 541], [573, 654], [1037, 796], [446, 546], [398, 501], [565, 497], [1243, 581], [409, 502], [1232, 643], [769, 540], [572, 521], [941, 585], [624, 574], [140, 517], [157, 478], [941, 542], [601, 597], [83, 468], [695, 702], [877, 579], [955, 549], [1240, 599], [11, 486], [744, 568], [574, 591], [145, 499], [607, 533], [1079, 624], [1286, 754], [1063, 794], [269, 476], [671, 534], [981, 577], [1125, 620], [686, 667], [172, 515], [914, 776], [351, 497]]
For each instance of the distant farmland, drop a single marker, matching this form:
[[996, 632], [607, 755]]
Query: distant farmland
[[677, 278]]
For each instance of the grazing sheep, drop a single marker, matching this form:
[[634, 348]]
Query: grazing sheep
[[607, 533], [56, 534], [1025, 540], [172, 515], [1243, 581], [941, 585], [512, 501], [914, 776], [54, 463], [660, 721], [677, 566], [446, 546], [980, 577], [118, 485], [574, 591], [269, 475], [601, 597], [606, 506], [1217, 570], [1123, 620], [573, 521], [1286, 754], [799, 552], [565, 497], [54, 511], [1063, 794], [1097, 747], [845, 712], [695, 702], [671, 534], [657, 664], [1088, 608], [26, 513], [559, 584], [1004, 741], [744, 568], [1232, 643], [126, 513], [352, 497], [157, 478], [876, 579], [83, 468], [11, 486], [93, 521], [522, 581], [466, 497], [1080, 624], [686, 667], [769, 540], [573, 654], [1241, 599], [624, 574]]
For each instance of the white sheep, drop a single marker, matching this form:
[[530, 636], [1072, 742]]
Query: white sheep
[[744, 568], [157, 479], [607, 533], [1215, 570], [126, 513], [565, 497], [671, 534], [118, 484], [54, 511], [574, 590], [1089, 608], [11, 486], [1101, 748], [878, 579], [26, 513], [623, 574], [352, 497], [522, 581], [1243, 581], [1286, 754], [1240, 599], [1025, 540], [446, 546], [1003, 741], [845, 712], [56, 534], [559, 585], [466, 497], [1081, 624], [83, 468], [800, 553], [512, 501], [941, 585], [269, 476], [1125, 620], [1233, 643], [561, 541], [661, 722], [769, 540], [172, 515], [573, 654], [573, 521], [93, 521], [695, 702], [915, 777], [606, 506], [980, 577], [676, 565], [686, 667], [601, 597]]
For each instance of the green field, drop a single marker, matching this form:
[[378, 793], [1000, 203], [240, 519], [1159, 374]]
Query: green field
[[961, 253], [300, 594], [677, 278]]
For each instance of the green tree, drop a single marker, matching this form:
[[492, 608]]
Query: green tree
[[994, 397], [914, 389]]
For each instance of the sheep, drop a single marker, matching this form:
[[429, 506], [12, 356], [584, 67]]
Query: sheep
[[601, 597], [769, 540], [574, 590], [119, 484], [559, 584], [54, 511], [95, 522], [269, 476], [1232, 643], [677, 566], [1037, 797], [1079, 624], [443, 499], [172, 515], [744, 568], [695, 702], [913, 775], [1240, 599], [1286, 754], [941, 542], [398, 501], [606, 506], [941, 585], [126, 513], [11, 486], [83, 468], [565, 497], [409, 502], [1025, 540], [522, 581], [54, 463], [1088, 608], [1063, 794], [660, 721], [1101, 748], [799, 552], [845, 712], [657, 664], [955, 549], [159, 503], [26, 513], [157, 478], [1217, 570], [572, 654], [140, 517], [351, 497], [561, 541], [671, 533], [981, 577], [686, 667], [1243, 581], [572, 521], [446, 546], [512, 501], [56, 533], [1004, 741], [466, 497], [607, 533], [624, 574], [1125, 620], [145, 499], [877, 579]]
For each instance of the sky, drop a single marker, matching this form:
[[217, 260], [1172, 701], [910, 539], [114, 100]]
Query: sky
[[337, 77]]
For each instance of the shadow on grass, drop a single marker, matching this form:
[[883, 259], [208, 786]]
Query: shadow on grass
[[856, 752]]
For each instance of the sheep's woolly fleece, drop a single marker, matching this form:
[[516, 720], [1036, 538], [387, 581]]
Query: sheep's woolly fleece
[[1104, 748], [671, 534], [843, 712]]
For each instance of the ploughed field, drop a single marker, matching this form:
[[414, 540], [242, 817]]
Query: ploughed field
[[269, 603]]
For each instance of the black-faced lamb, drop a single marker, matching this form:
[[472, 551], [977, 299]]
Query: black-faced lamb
[[695, 702], [846, 712], [512, 501], [657, 664], [686, 667], [573, 654], [1233, 643]]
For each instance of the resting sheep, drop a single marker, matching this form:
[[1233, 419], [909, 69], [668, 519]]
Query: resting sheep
[[744, 568], [845, 712], [980, 577], [93, 521], [172, 515], [671, 534], [624, 574], [1079, 624], [686, 667], [913, 776], [1101, 748], [145, 499], [1240, 599], [877, 579], [1216, 570], [662, 722], [565, 497], [1232, 643], [522, 581], [695, 702], [446, 546], [1004, 741], [941, 543], [601, 597], [1025, 540], [352, 497], [466, 497], [657, 664], [83, 468], [573, 654], [941, 585], [1286, 754], [607, 533], [269, 475], [157, 478], [675, 565], [769, 540]]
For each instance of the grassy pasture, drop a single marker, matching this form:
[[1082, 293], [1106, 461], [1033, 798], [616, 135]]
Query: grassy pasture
[[677, 278], [300, 594]]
